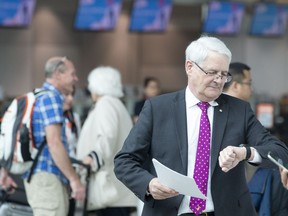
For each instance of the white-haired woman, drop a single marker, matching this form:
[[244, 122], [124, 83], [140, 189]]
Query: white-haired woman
[[101, 137]]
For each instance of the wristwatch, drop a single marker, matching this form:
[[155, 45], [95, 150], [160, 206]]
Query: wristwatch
[[248, 151]]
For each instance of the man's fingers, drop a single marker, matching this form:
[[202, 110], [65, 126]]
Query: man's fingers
[[227, 158], [159, 191]]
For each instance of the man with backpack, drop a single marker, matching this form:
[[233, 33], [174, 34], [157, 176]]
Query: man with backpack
[[47, 192]]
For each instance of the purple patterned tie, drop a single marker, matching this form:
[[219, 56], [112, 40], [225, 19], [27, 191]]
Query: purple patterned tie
[[201, 170]]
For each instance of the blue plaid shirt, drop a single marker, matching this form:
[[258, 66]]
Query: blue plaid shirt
[[48, 110]]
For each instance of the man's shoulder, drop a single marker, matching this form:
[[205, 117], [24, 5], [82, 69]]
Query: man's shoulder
[[49, 95], [166, 100], [225, 98], [51, 103], [176, 95]]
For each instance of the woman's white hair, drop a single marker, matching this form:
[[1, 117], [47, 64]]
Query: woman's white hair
[[105, 80], [198, 50]]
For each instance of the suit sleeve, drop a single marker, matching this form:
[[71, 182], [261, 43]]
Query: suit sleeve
[[261, 139]]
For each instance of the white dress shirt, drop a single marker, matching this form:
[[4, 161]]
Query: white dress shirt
[[193, 125]]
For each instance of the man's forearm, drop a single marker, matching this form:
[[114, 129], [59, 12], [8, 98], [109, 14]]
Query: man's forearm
[[62, 160]]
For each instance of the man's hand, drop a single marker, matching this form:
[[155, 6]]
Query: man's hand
[[159, 191], [230, 157], [78, 189], [6, 182], [284, 177], [88, 161]]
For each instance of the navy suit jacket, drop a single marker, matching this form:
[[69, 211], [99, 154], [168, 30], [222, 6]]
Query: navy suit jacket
[[161, 133]]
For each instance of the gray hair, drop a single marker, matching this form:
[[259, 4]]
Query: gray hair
[[53, 64], [198, 50], [105, 80]]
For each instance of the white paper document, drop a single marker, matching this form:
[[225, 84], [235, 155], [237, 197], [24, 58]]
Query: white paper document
[[180, 183]]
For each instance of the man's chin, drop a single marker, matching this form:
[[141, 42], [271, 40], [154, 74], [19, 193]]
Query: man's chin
[[67, 91], [214, 94]]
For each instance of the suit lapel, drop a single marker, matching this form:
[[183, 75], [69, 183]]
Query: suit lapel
[[219, 124], [179, 110]]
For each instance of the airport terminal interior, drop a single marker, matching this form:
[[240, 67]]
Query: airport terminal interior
[[143, 38], [64, 28]]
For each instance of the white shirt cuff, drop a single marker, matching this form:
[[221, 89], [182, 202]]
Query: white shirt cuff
[[257, 158]]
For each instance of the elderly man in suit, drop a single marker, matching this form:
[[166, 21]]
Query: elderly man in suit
[[202, 143]]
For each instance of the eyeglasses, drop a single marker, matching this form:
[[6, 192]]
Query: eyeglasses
[[226, 75]]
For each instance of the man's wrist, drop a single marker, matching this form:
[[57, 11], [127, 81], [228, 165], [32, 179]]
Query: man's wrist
[[248, 152]]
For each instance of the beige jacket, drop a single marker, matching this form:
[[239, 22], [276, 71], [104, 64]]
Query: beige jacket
[[104, 132]]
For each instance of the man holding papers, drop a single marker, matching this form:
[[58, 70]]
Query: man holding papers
[[196, 132]]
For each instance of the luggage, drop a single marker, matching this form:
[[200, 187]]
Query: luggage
[[15, 204], [13, 209]]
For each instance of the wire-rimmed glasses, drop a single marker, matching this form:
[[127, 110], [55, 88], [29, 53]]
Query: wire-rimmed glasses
[[215, 74]]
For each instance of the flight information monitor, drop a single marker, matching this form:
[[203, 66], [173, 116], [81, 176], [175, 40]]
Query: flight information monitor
[[223, 18], [16, 13], [97, 15], [150, 15]]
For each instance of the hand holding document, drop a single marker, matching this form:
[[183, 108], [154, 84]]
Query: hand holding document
[[180, 183]]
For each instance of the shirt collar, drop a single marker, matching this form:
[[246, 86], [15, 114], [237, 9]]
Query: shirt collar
[[191, 100], [52, 88]]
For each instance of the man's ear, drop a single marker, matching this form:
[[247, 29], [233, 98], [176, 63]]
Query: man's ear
[[234, 85], [188, 66]]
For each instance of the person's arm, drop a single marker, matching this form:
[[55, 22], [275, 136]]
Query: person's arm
[[159, 191], [60, 156], [284, 177], [6, 181], [232, 155], [260, 141]]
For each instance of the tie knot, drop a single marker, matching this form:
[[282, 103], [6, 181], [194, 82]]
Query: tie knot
[[203, 105]]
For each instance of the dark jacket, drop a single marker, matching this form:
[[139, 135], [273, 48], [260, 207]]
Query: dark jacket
[[161, 133]]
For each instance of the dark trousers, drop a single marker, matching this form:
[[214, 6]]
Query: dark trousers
[[117, 211]]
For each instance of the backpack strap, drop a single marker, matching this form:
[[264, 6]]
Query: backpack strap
[[37, 92], [36, 159]]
